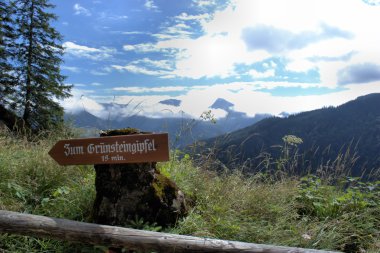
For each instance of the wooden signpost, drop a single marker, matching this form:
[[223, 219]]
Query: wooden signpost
[[112, 150], [127, 182]]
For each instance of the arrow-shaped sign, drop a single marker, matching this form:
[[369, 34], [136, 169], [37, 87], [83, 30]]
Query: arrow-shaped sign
[[114, 149]]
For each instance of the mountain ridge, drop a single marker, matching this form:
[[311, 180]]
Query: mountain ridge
[[182, 131], [355, 124]]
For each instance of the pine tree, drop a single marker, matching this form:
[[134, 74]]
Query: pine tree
[[7, 53], [39, 57]]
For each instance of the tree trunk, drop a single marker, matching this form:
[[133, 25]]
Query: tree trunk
[[132, 239], [135, 194], [28, 88]]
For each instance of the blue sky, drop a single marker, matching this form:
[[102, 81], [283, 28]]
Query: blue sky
[[170, 57]]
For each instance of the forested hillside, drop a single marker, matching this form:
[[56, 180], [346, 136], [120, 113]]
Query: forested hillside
[[326, 134]]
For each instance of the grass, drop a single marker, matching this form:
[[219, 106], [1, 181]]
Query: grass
[[340, 213], [31, 182]]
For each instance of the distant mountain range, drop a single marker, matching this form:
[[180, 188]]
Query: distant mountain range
[[182, 131], [352, 128]]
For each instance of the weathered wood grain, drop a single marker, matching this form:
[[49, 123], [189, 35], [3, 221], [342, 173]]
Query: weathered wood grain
[[62, 229]]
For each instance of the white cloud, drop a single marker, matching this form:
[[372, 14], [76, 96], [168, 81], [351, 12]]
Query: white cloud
[[338, 27], [109, 16], [80, 101], [211, 45], [147, 66], [80, 51], [71, 69], [80, 10], [163, 89], [256, 74], [139, 70], [134, 33], [186, 17], [161, 64], [372, 2], [210, 55], [245, 96], [101, 72], [246, 99], [204, 4], [177, 31], [142, 48], [150, 5]]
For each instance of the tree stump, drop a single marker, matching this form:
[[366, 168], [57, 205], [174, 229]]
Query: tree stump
[[131, 191]]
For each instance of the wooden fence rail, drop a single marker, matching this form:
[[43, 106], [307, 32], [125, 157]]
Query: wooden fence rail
[[145, 241]]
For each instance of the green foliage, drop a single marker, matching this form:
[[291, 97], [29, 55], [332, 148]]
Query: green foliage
[[351, 208], [335, 213], [331, 212], [30, 58], [7, 52], [292, 140], [322, 200], [39, 58], [139, 223], [31, 182], [208, 116], [327, 134]]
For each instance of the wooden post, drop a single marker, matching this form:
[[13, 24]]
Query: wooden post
[[132, 239]]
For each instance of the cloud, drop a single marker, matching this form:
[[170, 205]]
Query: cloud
[[344, 57], [101, 72], [231, 37], [177, 31], [71, 69], [186, 17], [334, 39], [88, 52], [142, 48], [204, 3], [147, 66], [210, 5], [80, 10], [274, 40], [372, 2], [303, 35], [172, 101], [140, 90], [135, 33], [329, 32], [140, 70], [108, 16], [359, 73], [122, 106], [256, 74], [183, 26], [209, 56], [150, 5], [245, 97], [79, 102]]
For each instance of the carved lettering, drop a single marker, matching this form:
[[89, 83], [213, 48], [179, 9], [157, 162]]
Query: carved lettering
[[75, 150]]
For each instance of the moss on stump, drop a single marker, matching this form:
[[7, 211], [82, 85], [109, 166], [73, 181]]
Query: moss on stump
[[127, 191]]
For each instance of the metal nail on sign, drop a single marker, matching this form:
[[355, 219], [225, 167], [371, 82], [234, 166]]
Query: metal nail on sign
[[113, 149]]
